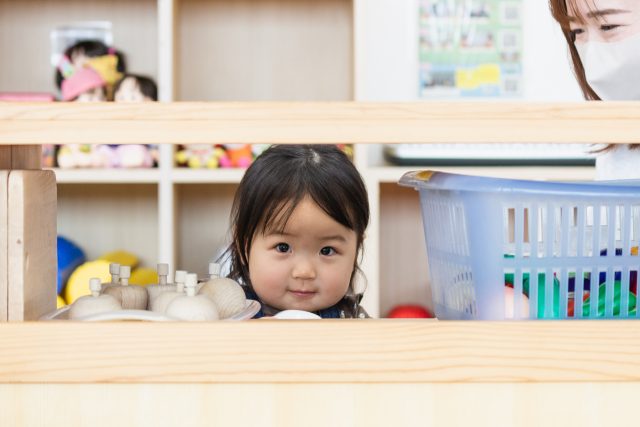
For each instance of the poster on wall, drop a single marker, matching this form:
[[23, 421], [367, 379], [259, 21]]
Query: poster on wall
[[470, 48]]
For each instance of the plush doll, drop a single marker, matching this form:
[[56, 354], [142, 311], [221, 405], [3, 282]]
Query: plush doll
[[81, 83], [198, 156], [136, 88], [106, 61]]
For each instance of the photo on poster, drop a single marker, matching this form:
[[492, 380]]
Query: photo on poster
[[470, 48], [67, 35]]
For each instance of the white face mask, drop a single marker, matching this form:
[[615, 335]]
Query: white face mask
[[613, 68]]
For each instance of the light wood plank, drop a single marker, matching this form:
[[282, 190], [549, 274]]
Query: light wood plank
[[282, 405], [32, 244], [356, 351], [346, 122], [4, 235], [265, 50]]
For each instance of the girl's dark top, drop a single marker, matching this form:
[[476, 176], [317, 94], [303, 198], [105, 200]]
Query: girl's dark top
[[347, 308]]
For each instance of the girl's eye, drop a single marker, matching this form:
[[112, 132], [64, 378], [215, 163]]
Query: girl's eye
[[282, 247], [327, 250]]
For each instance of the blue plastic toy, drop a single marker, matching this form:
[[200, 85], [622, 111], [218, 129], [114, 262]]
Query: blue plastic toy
[[70, 256]]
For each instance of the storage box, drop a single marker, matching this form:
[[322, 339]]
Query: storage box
[[513, 249]]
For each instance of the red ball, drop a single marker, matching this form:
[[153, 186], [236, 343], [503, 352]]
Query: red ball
[[410, 312]]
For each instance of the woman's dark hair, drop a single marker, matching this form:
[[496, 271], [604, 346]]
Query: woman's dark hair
[[561, 11], [278, 180], [146, 84], [92, 49]]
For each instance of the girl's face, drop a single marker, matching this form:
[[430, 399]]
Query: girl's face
[[129, 91], [93, 95], [606, 20], [308, 265]]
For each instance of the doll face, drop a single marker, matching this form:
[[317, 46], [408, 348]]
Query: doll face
[[129, 91], [93, 95], [308, 265], [606, 20]]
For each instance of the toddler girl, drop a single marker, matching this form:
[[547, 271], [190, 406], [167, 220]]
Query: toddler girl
[[298, 224]]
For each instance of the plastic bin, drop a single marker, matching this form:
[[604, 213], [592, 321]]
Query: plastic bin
[[513, 249]]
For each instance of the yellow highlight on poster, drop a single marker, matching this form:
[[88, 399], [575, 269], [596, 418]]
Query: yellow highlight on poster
[[485, 74]]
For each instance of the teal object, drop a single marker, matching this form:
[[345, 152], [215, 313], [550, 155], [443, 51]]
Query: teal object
[[617, 298], [509, 280]]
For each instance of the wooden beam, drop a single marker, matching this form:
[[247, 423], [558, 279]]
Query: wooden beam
[[4, 248], [20, 157], [31, 244], [325, 351], [319, 122]]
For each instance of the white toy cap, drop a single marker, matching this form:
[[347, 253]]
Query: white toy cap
[[94, 284], [181, 276], [163, 269], [125, 271], [114, 268]]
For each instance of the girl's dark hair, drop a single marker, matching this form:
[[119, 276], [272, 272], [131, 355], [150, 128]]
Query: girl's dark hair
[[278, 180], [90, 48], [146, 84], [561, 11]]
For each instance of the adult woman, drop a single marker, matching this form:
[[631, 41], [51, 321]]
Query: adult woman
[[604, 43]]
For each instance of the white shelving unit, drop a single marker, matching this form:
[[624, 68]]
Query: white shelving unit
[[251, 50]]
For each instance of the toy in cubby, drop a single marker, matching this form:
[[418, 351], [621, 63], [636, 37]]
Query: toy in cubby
[[131, 297], [201, 156], [74, 271], [554, 311], [91, 71], [165, 294], [186, 299], [95, 303], [410, 311], [192, 306]]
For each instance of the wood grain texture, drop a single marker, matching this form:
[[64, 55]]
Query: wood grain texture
[[319, 122], [310, 405], [32, 244], [4, 235], [357, 351], [5, 156], [21, 157]]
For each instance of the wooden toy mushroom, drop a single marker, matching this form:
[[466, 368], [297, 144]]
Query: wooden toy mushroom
[[226, 293], [191, 306], [160, 303], [131, 297], [94, 303], [163, 285]]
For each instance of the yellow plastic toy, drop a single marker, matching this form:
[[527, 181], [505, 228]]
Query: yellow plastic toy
[[78, 284], [119, 257], [143, 276], [60, 302]]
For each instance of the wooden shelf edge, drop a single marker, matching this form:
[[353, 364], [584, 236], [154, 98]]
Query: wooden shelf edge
[[358, 351], [319, 122]]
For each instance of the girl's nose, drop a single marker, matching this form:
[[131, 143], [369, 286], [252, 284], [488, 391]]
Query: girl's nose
[[303, 269]]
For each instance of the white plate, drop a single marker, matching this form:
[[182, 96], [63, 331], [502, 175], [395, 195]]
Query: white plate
[[296, 314], [250, 309]]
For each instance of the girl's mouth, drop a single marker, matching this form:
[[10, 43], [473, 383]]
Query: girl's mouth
[[302, 294]]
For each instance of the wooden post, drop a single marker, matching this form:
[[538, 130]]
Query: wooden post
[[4, 248], [27, 235]]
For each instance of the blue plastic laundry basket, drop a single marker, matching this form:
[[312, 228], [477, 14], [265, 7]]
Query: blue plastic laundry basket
[[514, 249]]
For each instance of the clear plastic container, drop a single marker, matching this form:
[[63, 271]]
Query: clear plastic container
[[512, 249]]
